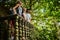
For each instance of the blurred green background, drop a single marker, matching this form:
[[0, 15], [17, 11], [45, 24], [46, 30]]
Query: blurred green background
[[45, 17]]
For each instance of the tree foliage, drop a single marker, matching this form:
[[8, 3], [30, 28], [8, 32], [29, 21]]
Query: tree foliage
[[46, 19]]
